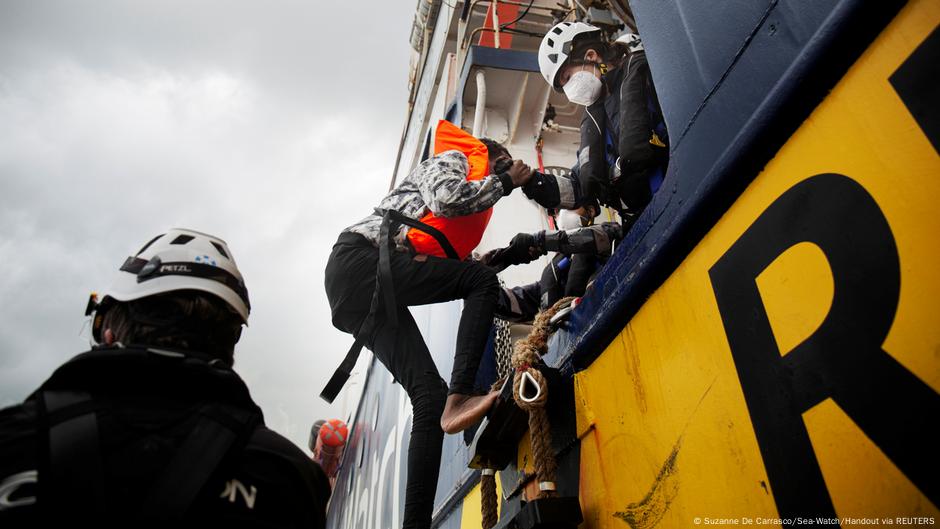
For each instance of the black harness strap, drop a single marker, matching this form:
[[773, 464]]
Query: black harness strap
[[76, 476], [384, 288], [198, 457], [399, 218]]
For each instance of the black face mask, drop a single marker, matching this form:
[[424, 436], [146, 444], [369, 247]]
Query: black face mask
[[502, 165]]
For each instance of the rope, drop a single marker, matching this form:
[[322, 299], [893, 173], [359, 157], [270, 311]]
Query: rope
[[527, 354], [530, 391], [488, 498]]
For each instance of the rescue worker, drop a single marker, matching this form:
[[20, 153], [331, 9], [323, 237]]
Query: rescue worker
[[624, 146], [585, 247], [568, 274], [152, 427], [453, 192]]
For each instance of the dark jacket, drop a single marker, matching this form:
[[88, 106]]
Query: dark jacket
[[579, 252], [139, 426], [622, 125]]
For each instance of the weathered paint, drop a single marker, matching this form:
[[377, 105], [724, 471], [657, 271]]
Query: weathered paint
[[668, 390]]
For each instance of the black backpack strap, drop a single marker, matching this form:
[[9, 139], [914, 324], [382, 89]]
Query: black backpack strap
[[384, 289], [75, 473], [217, 431]]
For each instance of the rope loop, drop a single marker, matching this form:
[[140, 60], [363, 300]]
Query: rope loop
[[526, 356]]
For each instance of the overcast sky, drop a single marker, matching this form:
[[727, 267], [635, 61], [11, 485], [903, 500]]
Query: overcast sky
[[270, 124]]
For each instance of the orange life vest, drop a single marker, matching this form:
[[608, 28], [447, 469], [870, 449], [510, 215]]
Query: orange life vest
[[464, 233]]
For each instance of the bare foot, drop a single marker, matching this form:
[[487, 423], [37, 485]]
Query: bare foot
[[463, 411]]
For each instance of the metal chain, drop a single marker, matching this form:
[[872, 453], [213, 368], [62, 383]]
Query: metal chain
[[503, 346]]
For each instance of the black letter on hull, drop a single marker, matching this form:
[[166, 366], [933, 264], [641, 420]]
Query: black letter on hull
[[843, 359]]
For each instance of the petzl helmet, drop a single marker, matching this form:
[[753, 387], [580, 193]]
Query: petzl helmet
[[556, 47], [179, 259], [632, 40]]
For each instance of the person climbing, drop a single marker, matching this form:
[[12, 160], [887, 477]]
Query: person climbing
[[441, 208], [152, 427], [624, 147]]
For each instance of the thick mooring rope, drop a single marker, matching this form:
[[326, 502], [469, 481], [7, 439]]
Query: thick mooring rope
[[530, 391], [488, 498]]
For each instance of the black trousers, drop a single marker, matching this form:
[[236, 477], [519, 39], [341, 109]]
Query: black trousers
[[350, 281]]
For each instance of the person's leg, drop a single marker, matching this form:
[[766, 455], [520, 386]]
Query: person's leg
[[404, 353], [350, 282], [518, 303], [435, 280]]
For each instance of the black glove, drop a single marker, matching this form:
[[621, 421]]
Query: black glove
[[543, 189], [523, 248], [594, 239], [605, 193]]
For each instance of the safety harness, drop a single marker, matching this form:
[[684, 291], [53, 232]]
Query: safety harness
[[384, 292]]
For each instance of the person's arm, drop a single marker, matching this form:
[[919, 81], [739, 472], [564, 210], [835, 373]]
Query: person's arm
[[639, 150], [553, 192], [592, 167], [635, 149], [442, 182], [594, 239], [527, 247], [518, 304]]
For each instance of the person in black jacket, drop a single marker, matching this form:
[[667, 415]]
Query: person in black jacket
[[585, 248], [624, 143], [152, 427]]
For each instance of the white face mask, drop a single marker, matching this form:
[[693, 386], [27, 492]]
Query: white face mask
[[567, 219], [583, 88]]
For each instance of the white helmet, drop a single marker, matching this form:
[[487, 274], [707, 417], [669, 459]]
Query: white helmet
[[180, 259], [556, 46], [632, 40]]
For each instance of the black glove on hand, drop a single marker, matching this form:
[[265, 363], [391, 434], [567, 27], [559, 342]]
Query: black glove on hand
[[523, 248], [526, 247], [594, 239], [543, 189]]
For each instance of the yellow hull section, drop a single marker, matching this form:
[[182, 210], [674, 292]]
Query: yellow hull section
[[666, 435]]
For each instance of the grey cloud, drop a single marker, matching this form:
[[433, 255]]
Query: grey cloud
[[314, 51], [261, 123]]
